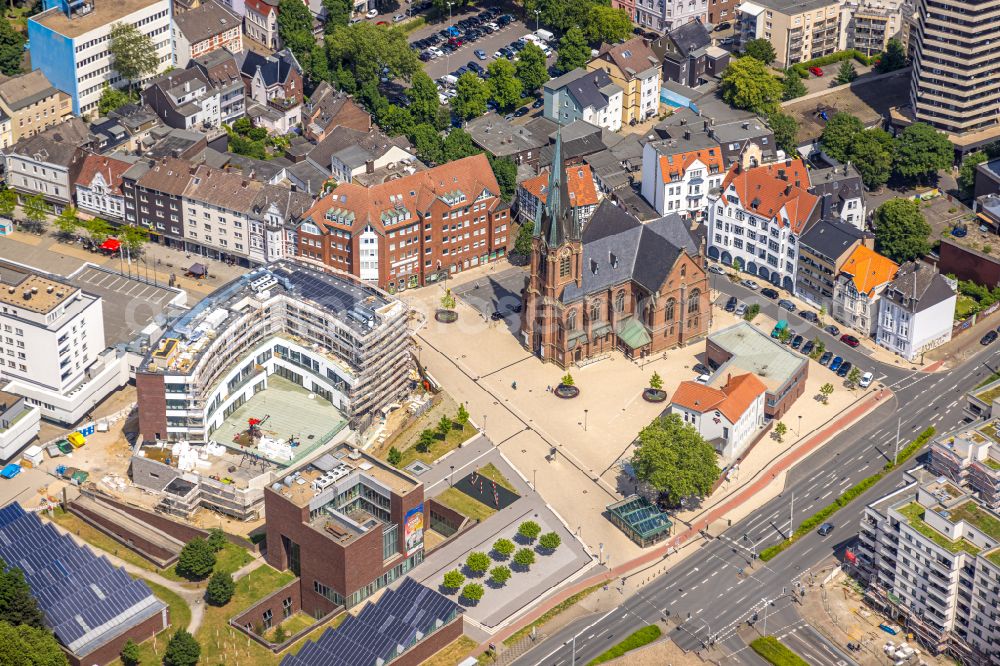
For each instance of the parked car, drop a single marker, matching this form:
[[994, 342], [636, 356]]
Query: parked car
[[701, 369], [538, 103], [866, 380], [496, 316], [836, 363], [786, 304], [825, 529], [791, 337], [849, 340], [844, 369], [475, 67], [741, 310], [372, 13], [718, 270], [731, 304], [725, 25], [750, 284], [481, 54], [832, 330], [521, 112], [816, 71], [808, 347], [398, 17], [778, 328], [797, 341], [769, 293], [989, 338]]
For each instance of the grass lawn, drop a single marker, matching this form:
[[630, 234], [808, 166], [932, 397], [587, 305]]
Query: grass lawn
[[456, 436], [293, 625], [493, 474], [964, 307], [99, 540], [465, 505], [229, 559], [637, 639], [452, 653], [774, 652], [914, 514]]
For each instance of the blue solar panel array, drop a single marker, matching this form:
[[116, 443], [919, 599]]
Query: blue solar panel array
[[382, 630], [84, 597]]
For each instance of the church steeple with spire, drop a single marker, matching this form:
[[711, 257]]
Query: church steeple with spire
[[557, 222]]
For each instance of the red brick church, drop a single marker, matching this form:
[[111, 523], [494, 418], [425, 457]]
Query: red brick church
[[613, 283]]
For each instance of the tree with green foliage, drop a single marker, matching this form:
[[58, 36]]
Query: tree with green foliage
[[197, 559], [675, 459], [338, 13], [871, 158], [394, 456], [606, 25], [294, 17], [505, 171], [524, 557], [220, 588], [785, 127], [130, 654], [24, 645], [529, 530], [549, 541], [573, 50], [748, 84], [967, 172], [366, 50], [424, 102], [67, 223], [98, 230], [477, 562], [182, 650], [216, 539], [17, 604], [522, 244], [922, 151], [567, 380], [499, 575], [112, 99], [761, 49], [656, 382], [453, 579], [442, 5], [36, 211], [133, 54], [504, 547], [531, 67], [448, 300], [11, 49], [462, 416], [901, 233], [396, 121], [444, 426], [504, 86], [458, 144], [846, 73], [784, 335], [133, 237], [791, 85], [8, 203], [894, 57], [426, 440], [471, 96], [428, 144], [826, 390], [854, 376], [780, 430], [473, 592], [839, 134]]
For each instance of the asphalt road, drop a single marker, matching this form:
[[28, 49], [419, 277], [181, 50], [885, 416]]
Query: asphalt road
[[708, 597]]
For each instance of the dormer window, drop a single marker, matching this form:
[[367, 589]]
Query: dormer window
[[613, 260], [593, 266]]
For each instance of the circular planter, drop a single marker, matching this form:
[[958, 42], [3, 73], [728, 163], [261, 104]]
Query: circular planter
[[566, 392], [654, 395], [446, 316]]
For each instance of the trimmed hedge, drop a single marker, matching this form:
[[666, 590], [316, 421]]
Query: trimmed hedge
[[774, 651], [803, 67], [644, 636], [849, 495]]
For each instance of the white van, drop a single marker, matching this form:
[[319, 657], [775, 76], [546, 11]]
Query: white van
[[449, 80], [545, 35]]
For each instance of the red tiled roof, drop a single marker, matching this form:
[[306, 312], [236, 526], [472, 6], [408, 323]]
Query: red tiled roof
[[261, 7], [732, 400], [762, 190], [697, 397], [679, 163], [579, 183], [414, 193], [109, 168]]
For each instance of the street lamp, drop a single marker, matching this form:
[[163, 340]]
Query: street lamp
[[534, 480], [537, 12], [451, 477], [798, 433], [585, 419], [447, 57]]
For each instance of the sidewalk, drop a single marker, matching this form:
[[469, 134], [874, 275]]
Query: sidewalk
[[745, 495]]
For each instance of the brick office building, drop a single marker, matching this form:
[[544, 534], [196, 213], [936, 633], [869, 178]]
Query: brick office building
[[347, 524], [412, 230]]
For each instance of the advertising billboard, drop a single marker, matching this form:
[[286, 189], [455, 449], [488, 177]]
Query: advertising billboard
[[413, 529]]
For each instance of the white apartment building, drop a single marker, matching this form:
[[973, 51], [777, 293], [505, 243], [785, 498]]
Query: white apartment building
[[931, 552], [728, 417], [582, 95], [858, 288], [916, 311], [635, 68], [665, 15], [99, 187], [679, 180], [19, 423], [43, 163], [261, 22], [758, 217], [69, 43]]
